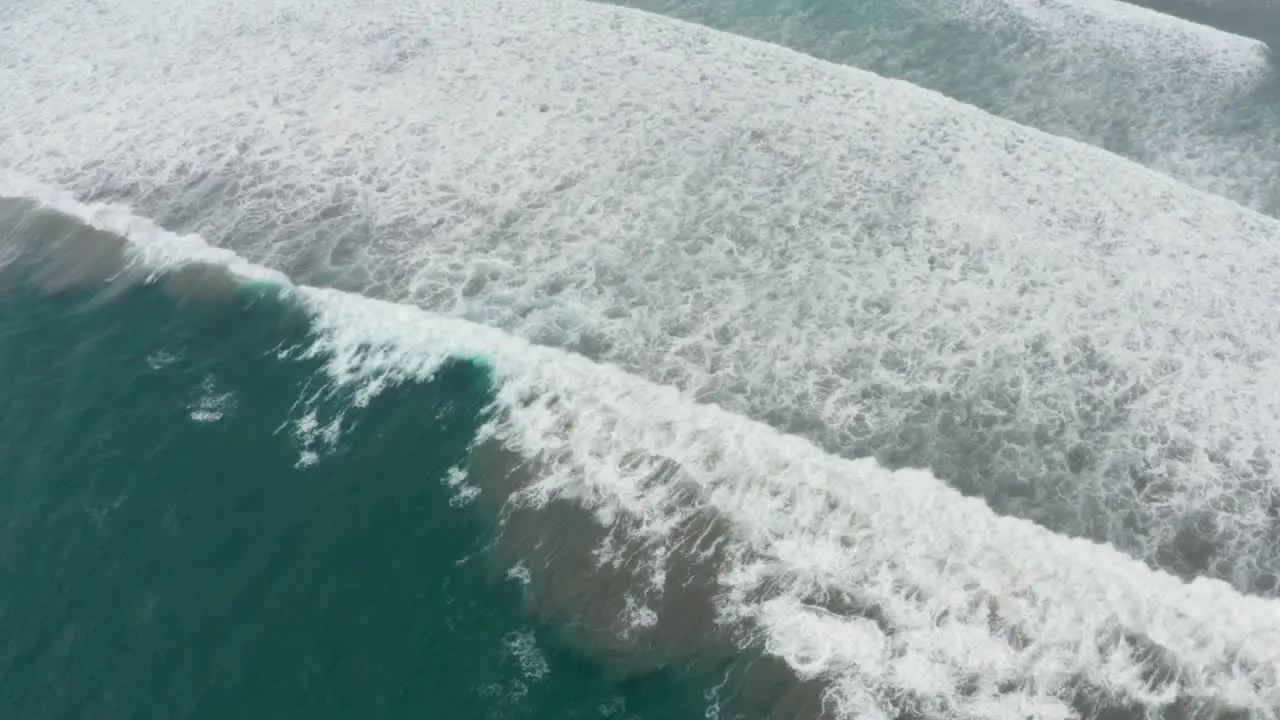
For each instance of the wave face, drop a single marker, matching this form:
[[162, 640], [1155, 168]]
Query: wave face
[[1181, 98], [655, 534], [851, 259]]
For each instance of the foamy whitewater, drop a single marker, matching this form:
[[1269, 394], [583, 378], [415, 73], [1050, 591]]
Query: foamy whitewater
[[872, 266], [707, 272], [1183, 98]]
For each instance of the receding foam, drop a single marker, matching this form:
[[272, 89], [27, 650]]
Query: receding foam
[[1081, 341]]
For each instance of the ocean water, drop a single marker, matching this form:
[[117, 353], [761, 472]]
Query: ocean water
[[170, 552], [543, 359]]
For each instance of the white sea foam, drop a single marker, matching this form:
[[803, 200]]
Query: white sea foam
[[210, 404], [964, 596], [948, 611], [523, 647]]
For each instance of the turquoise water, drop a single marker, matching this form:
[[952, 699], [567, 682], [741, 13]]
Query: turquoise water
[[163, 554]]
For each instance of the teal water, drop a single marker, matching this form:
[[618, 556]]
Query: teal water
[[163, 554], [172, 546]]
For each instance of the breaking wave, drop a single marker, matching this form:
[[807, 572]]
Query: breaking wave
[[657, 531], [1079, 340]]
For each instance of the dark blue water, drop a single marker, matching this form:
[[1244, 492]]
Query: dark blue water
[[163, 554]]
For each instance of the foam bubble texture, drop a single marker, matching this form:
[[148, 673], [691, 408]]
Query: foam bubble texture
[[897, 592], [900, 595], [1080, 340], [1179, 97]]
